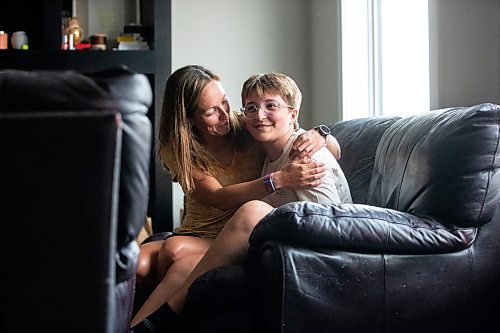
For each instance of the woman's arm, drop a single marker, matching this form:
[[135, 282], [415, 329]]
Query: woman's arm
[[210, 192], [310, 142]]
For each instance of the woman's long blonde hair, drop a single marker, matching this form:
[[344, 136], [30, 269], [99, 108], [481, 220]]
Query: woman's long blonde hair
[[177, 132]]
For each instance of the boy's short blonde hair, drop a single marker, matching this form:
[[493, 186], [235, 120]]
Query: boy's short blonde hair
[[273, 82]]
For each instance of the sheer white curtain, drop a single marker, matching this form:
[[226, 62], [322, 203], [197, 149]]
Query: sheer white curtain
[[385, 57]]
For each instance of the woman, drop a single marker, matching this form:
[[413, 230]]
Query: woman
[[208, 151]]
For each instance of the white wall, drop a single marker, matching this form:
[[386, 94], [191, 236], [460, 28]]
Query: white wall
[[464, 52], [107, 17], [104, 16], [237, 38], [325, 64]]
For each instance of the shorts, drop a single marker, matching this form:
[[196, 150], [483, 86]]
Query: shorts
[[167, 234]]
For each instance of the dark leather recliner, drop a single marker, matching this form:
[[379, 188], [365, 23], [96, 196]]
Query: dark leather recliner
[[75, 181], [419, 251]]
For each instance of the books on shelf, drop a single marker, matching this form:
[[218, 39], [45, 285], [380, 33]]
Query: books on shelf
[[131, 41], [136, 45]]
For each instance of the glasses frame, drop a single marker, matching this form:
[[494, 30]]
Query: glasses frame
[[264, 109]]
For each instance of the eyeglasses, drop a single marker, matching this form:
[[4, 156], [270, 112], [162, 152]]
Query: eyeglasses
[[250, 111]]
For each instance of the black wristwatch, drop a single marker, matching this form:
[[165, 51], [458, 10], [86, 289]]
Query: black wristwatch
[[323, 130]]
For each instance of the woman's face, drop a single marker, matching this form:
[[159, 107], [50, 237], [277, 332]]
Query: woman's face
[[274, 119], [211, 117]]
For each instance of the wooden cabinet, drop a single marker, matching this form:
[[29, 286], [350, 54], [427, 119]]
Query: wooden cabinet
[[42, 22]]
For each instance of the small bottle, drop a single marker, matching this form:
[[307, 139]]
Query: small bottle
[[4, 40], [71, 42], [64, 45]]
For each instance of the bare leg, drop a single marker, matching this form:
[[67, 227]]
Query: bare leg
[[146, 265], [175, 248], [172, 281], [230, 246], [178, 256], [146, 271]]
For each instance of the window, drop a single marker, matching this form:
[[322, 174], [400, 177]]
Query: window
[[385, 58]]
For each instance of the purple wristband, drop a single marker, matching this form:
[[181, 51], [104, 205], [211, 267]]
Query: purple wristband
[[269, 183]]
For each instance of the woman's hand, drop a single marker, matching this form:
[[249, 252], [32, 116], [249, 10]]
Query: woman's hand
[[310, 142], [300, 174]]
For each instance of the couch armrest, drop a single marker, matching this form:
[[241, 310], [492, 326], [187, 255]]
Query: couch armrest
[[359, 228]]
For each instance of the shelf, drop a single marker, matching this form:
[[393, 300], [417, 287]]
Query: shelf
[[83, 61], [42, 22]]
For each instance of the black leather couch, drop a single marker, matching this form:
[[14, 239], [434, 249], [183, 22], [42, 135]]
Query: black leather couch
[[418, 251], [74, 185]]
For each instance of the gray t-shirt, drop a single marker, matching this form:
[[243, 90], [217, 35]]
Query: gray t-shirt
[[333, 189]]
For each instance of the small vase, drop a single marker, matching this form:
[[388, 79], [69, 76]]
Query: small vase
[[75, 30], [19, 40]]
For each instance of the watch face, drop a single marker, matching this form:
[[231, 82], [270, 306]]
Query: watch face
[[323, 130]]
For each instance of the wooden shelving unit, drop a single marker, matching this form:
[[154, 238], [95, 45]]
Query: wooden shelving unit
[[42, 22]]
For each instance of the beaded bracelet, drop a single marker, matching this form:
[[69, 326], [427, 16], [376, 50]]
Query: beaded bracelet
[[269, 183]]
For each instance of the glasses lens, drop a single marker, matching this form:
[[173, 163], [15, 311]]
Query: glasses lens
[[272, 106], [250, 111]]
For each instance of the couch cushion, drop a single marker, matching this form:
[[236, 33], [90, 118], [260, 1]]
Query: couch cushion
[[359, 139]]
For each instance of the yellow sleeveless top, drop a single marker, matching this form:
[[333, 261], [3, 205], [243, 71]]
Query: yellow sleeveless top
[[207, 221]]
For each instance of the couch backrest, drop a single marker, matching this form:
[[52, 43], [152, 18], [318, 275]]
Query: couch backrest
[[131, 94], [359, 139], [443, 163]]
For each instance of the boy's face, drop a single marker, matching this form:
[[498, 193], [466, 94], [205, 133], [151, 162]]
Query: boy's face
[[273, 120]]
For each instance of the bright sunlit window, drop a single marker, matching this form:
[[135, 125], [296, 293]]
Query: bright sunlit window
[[385, 58]]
